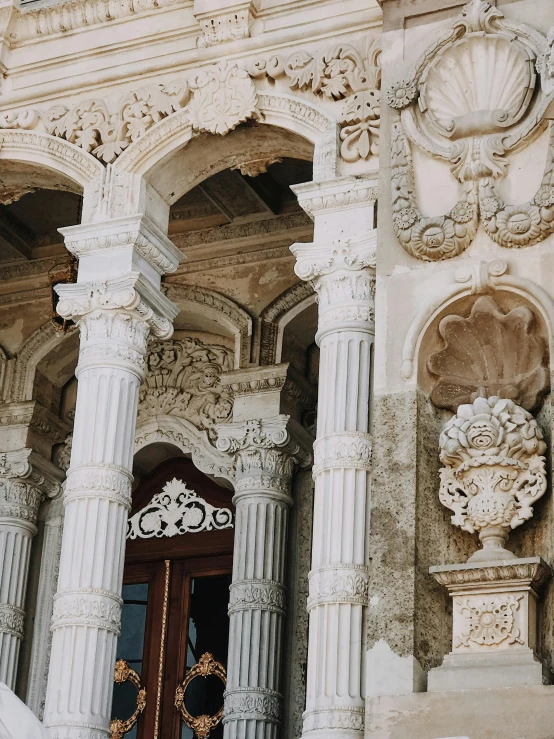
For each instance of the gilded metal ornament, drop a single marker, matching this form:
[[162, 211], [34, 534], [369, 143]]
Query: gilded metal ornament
[[122, 674], [201, 725]]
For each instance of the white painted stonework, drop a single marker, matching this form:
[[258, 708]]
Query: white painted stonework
[[288, 241]]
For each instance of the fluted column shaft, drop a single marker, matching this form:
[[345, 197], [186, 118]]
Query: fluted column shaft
[[265, 455], [340, 264], [25, 479], [115, 319]]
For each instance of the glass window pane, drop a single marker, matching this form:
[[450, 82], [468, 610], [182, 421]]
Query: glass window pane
[[130, 647], [208, 631]]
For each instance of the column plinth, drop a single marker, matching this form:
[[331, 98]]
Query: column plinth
[[26, 479], [340, 263], [115, 318]]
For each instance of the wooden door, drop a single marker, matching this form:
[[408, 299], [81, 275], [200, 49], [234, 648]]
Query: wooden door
[[175, 593]]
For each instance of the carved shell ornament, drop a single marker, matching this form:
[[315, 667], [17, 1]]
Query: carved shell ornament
[[472, 98], [490, 353]]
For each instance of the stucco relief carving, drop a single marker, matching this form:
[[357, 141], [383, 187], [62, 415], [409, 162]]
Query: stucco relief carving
[[489, 621], [494, 471], [184, 380], [490, 353], [177, 510], [224, 96], [341, 72], [228, 26], [469, 101]]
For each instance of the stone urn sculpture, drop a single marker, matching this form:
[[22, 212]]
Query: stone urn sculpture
[[494, 471]]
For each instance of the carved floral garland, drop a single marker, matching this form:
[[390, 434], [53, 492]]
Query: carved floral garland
[[177, 510]]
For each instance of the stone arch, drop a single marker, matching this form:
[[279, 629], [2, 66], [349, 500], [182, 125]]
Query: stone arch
[[301, 120], [277, 315], [36, 348], [69, 163], [219, 309], [179, 433]]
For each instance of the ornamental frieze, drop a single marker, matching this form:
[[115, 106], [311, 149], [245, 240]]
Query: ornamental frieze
[[219, 97]]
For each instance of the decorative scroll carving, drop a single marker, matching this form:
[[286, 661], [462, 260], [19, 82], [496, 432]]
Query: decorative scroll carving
[[475, 91], [494, 471], [122, 674], [490, 353], [340, 72], [201, 725], [184, 380], [489, 621], [177, 510], [100, 127]]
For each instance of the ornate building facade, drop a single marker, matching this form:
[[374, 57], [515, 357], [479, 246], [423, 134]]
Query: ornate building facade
[[276, 326]]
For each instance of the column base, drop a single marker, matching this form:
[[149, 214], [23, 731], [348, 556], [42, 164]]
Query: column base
[[333, 723], [482, 671]]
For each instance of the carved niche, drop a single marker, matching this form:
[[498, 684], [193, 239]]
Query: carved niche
[[183, 380], [492, 370], [490, 353], [471, 99]]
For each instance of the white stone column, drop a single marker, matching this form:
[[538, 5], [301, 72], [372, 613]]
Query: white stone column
[[115, 318], [26, 479], [340, 263], [265, 454]]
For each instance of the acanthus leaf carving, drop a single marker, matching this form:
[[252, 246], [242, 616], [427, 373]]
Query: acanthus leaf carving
[[177, 510], [343, 72]]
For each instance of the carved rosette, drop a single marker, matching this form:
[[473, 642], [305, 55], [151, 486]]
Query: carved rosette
[[494, 471]]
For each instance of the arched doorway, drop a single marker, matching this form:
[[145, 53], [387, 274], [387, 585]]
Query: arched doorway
[[178, 563]]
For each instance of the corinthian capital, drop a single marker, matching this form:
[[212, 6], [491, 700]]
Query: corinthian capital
[[315, 260], [26, 479], [265, 451]]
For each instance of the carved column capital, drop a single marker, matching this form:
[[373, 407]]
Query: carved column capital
[[26, 479], [116, 317], [340, 263], [265, 452]]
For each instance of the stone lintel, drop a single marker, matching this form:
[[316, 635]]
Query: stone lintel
[[269, 391]]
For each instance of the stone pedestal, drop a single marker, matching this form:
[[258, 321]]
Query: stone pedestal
[[494, 634]]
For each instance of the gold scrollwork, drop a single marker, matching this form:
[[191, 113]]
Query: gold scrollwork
[[201, 725], [122, 674]]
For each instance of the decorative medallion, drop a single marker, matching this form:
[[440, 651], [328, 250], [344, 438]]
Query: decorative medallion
[[489, 622]]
